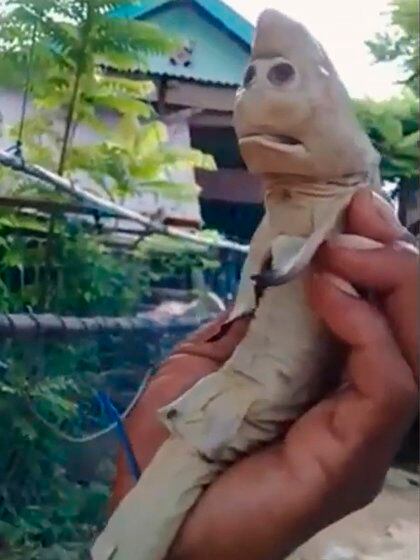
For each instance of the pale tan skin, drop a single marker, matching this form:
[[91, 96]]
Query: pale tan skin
[[334, 459]]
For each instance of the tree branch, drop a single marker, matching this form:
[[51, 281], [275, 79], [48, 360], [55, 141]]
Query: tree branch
[[107, 207]]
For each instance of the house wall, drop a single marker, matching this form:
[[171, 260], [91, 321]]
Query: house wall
[[200, 96], [10, 109], [148, 202], [216, 57]]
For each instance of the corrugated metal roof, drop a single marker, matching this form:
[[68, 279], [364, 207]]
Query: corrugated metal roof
[[186, 77], [229, 18], [216, 33]]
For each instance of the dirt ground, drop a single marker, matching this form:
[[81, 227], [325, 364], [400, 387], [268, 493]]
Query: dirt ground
[[386, 530]]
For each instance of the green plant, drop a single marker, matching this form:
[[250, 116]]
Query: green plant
[[401, 42], [43, 514], [393, 124], [82, 60], [393, 127]]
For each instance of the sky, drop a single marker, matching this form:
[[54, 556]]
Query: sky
[[342, 26]]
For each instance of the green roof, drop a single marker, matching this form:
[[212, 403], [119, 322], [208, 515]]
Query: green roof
[[233, 22]]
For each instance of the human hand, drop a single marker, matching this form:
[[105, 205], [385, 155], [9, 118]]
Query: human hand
[[334, 459]]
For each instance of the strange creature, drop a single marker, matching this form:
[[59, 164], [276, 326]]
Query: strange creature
[[296, 129]]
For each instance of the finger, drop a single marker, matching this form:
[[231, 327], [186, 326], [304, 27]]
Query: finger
[[370, 215], [370, 264], [209, 329], [220, 350], [377, 404], [383, 375], [390, 272]]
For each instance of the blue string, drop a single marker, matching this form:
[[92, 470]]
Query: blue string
[[115, 417]]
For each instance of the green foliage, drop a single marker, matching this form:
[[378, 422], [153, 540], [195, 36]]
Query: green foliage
[[80, 58], [136, 155], [393, 127], [393, 124], [106, 283], [43, 515], [402, 41]]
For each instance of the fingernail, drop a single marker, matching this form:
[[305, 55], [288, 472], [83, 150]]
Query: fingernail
[[404, 246], [348, 241], [409, 238], [341, 285], [388, 215]]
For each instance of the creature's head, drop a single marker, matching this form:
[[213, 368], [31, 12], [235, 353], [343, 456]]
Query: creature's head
[[293, 115]]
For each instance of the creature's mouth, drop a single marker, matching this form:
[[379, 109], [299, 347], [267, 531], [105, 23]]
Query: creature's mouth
[[279, 142]]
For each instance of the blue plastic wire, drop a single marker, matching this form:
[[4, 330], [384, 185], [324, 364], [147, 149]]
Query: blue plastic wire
[[115, 417]]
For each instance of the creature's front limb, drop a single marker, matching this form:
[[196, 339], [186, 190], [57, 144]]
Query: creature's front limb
[[146, 523], [291, 254]]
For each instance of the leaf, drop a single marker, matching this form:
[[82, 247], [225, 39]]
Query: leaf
[[25, 428], [149, 138], [119, 85], [411, 141], [3, 241], [7, 531], [126, 132], [172, 190], [124, 104], [122, 61], [6, 389], [391, 129]]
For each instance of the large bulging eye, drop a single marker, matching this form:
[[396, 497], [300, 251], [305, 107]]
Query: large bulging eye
[[250, 75], [281, 73]]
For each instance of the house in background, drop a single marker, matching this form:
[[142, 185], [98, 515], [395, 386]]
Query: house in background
[[204, 77], [197, 86]]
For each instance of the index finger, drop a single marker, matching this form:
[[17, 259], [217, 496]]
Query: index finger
[[384, 385], [200, 343], [391, 273], [370, 215]]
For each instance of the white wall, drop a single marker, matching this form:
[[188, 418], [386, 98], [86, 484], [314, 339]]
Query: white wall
[[10, 109]]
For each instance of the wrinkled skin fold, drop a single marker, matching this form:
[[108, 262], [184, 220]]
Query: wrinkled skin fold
[[296, 129]]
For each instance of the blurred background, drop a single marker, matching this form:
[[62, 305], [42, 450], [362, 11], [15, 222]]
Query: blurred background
[[125, 215]]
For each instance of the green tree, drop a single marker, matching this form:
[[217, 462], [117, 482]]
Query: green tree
[[82, 60], [402, 41], [393, 128], [393, 124]]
